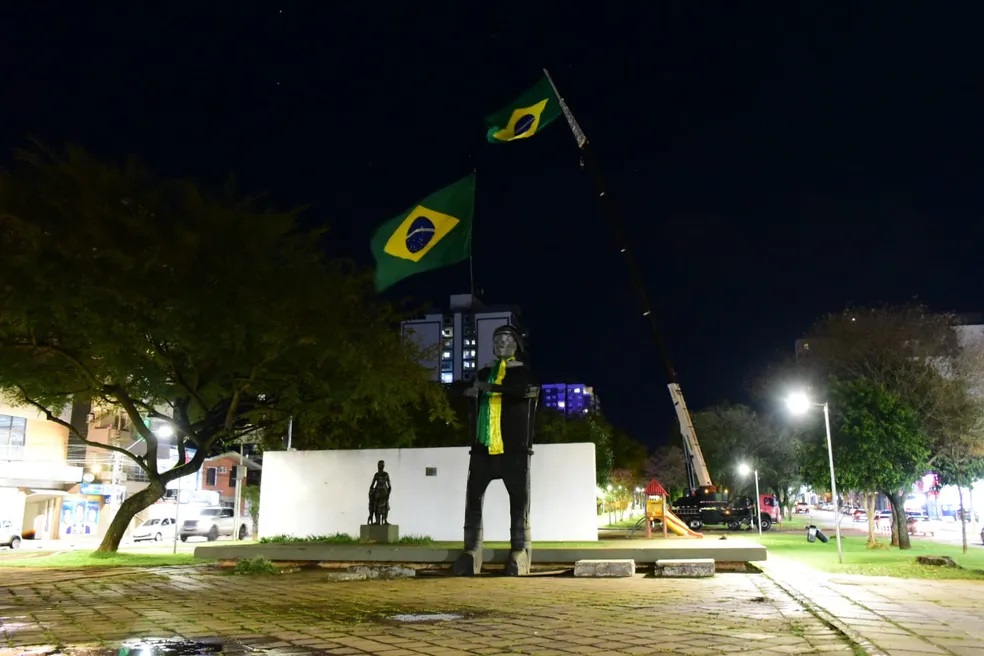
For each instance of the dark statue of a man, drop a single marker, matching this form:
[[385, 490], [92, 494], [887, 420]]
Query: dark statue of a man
[[379, 494], [504, 411]]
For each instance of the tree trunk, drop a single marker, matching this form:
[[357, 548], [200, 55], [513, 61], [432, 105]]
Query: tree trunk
[[900, 528], [127, 511], [787, 506], [962, 517], [869, 506]]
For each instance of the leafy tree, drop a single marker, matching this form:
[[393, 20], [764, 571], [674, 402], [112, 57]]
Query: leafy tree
[[556, 427], [623, 483], [923, 357], [252, 496], [420, 427], [628, 454], [960, 464], [879, 444], [207, 313], [911, 351], [732, 434], [668, 466]]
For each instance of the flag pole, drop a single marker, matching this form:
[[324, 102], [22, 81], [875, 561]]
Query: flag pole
[[471, 244], [614, 214], [471, 262]]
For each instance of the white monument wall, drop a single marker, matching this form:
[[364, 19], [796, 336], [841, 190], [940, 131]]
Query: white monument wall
[[324, 492]]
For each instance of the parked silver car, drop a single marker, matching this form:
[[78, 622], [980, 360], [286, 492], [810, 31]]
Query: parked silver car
[[155, 529], [8, 536], [213, 522]]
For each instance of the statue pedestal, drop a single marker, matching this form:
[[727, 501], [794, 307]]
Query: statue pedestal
[[381, 533]]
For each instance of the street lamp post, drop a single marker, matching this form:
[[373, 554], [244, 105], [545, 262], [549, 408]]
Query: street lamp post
[[744, 470], [799, 403]]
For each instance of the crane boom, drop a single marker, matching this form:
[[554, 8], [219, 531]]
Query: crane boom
[[697, 467], [700, 478]]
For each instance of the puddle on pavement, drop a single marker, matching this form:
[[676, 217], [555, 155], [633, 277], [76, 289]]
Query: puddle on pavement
[[174, 647], [427, 617]]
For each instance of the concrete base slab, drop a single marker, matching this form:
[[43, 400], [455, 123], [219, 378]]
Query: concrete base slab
[[642, 551], [682, 568], [604, 568], [381, 533], [363, 573]]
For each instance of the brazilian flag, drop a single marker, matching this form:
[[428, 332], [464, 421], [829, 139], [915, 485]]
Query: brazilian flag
[[434, 233], [526, 115]]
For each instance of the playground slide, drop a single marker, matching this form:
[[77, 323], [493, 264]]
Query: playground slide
[[678, 526]]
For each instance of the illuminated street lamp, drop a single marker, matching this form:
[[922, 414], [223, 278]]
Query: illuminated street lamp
[[745, 470], [799, 404], [164, 431]]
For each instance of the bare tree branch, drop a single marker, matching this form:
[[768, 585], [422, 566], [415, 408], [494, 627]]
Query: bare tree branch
[[52, 417], [128, 405]]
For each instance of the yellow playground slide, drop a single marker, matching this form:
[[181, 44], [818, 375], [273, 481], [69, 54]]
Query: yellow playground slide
[[678, 526], [654, 510]]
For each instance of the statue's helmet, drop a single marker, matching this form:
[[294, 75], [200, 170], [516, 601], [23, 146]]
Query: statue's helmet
[[517, 337]]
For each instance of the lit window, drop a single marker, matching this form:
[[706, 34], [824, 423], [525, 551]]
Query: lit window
[[447, 332], [447, 377], [560, 404], [577, 390], [446, 355], [12, 437]]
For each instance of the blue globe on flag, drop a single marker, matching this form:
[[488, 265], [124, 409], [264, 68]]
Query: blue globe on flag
[[420, 233], [523, 124]]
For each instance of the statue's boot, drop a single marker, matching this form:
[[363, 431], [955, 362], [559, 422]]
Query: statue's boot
[[520, 553], [469, 563]]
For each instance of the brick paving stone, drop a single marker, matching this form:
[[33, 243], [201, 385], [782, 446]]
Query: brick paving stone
[[730, 613], [894, 616]]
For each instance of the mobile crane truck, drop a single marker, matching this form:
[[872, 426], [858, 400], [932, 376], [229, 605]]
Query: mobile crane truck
[[705, 506]]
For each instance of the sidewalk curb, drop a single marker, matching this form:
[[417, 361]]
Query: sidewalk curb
[[821, 613]]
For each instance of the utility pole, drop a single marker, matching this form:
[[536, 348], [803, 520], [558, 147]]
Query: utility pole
[[240, 480]]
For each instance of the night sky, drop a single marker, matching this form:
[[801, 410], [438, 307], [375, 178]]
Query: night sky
[[773, 164]]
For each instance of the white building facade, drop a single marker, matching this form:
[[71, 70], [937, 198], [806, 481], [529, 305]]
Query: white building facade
[[326, 492], [458, 343]]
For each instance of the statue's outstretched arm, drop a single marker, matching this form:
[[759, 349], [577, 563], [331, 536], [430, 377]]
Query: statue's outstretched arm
[[519, 390]]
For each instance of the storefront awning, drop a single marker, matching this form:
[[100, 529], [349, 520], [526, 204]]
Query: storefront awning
[[43, 495]]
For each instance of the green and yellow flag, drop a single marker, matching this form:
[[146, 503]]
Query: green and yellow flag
[[526, 115], [434, 233]]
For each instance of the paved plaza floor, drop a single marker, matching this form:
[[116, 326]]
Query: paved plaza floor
[[789, 609], [92, 612]]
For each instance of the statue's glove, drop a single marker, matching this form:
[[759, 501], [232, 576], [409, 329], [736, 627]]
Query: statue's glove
[[471, 392]]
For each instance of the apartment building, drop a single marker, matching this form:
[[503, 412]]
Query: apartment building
[[222, 474], [39, 484]]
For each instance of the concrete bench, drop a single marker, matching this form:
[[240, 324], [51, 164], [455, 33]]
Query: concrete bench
[[684, 568], [604, 568]]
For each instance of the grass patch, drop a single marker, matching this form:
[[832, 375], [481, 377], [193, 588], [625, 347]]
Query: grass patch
[[258, 565], [600, 544], [421, 540], [623, 523], [73, 559], [334, 538], [859, 559]]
